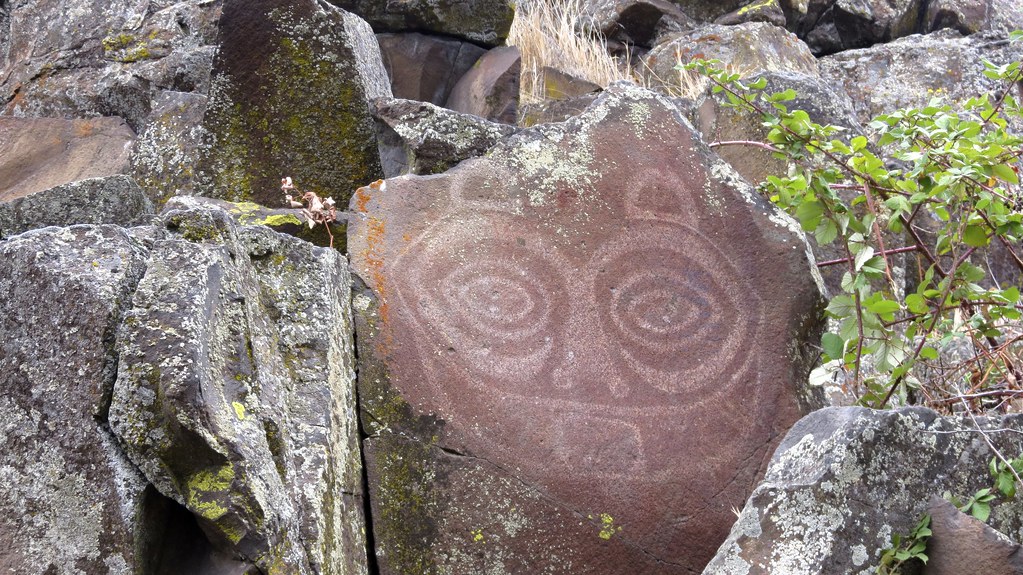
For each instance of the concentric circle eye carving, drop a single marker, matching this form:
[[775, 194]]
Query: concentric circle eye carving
[[501, 307], [672, 301]]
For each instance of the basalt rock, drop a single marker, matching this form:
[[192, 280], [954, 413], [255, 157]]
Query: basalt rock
[[844, 480], [164, 156], [634, 22], [551, 341], [289, 97], [490, 89], [970, 16], [960, 543], [830, 26], [69, 498], [769, 11], [748, 49], [910, 71], [426, 68], [419, 138], [103, 58], [484, 22], [111, 200], [235, 396], [37, 154]]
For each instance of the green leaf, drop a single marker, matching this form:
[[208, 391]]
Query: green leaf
[[1005, 173], [809, 214], [916, 303], [981, 511], [826, 232], [834, 346], [883, 306], [862, 257], [929, 353], [976, 236]]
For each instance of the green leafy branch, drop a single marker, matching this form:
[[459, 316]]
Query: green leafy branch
[[938, 184]]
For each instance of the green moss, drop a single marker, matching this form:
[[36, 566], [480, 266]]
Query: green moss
[[205, 490], [311, 122], [280, 220], [239, 410], [125, 48]]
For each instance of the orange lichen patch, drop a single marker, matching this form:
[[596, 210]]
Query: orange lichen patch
[[361, 198], [375, 263], [406, 237], [83, 128]]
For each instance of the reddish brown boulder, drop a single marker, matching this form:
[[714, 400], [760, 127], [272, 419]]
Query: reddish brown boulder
[[961, 544], [490, 89], [576, 353], [426, 68], [37, 154]]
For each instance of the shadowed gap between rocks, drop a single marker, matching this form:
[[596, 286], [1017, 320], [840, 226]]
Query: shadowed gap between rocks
[[372, 566]]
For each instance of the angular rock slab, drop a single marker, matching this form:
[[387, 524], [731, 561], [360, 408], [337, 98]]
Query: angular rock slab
[[600, 312], [845, 479], [289, 97], [111, 200], [70, 500], [37, 154], [235, 392], [425, 67], [960, 543]]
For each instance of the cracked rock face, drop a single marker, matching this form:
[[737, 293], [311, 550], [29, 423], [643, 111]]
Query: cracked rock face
[[69, 497], [557, 362], [844, 480], [235, 391]]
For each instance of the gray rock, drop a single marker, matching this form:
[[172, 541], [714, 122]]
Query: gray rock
[[235, 392], [70, 501], [910, 71], [111, 200], [844, 480], [748, 49], [550, 111], [421, 138], [848, 24], [970, 16], [37, 154], [551, 340], [962, 544], [164, 157], [426, 68], [484, 22], [103, 58], [634, 22], [769, 11], [291, 85], [490, 89]]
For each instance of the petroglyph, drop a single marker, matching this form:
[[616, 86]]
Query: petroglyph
[[619, 335]]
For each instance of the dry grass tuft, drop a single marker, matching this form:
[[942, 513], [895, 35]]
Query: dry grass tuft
[[546, 35]]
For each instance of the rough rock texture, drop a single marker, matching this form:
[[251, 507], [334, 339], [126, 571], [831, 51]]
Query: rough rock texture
[[289, 97], [490, 89], [962, 544], [708, 10], [748, 49], [86, 58], [911, 71], [759, 11], [235, 391], [970, 16], [558, 85], [634, 22], [551, 341], [163, 159], [848, 24], [484, 22], [69, 499], [111, 200], [845, 479], [39, 153], [426, 68], [550, 111], [419, 138]]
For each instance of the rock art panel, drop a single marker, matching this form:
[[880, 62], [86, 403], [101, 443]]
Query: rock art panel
[[70, 500], [289, 97], [37, 154], [586, 310]]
